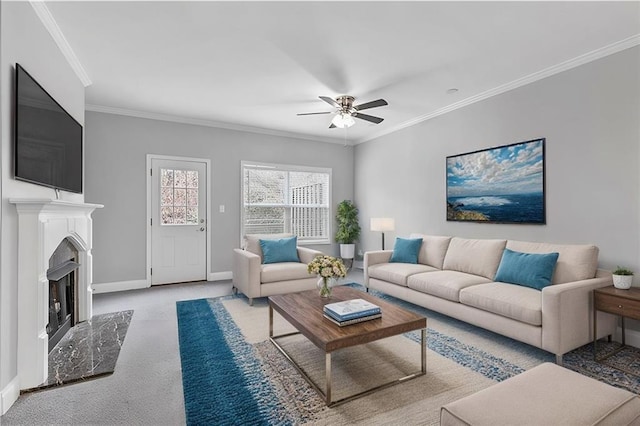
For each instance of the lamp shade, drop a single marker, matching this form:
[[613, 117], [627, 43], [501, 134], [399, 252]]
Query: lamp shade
[[382, 224]]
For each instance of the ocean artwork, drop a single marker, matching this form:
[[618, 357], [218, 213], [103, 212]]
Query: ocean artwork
[[500, 185]]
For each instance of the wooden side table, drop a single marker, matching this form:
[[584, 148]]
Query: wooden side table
[[625, 303]]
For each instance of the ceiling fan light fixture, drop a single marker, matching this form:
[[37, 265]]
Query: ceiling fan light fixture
[[342, 120]]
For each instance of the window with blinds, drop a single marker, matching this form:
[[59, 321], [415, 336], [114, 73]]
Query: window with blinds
[[280, 198]]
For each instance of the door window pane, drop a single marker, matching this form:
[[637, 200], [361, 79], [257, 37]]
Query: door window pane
[[180, 215], [179, 205], [166, 198], [180, 197], [192, 179], [180, 179], [192, 215], [167, 178], [192, 197], [166, 214]]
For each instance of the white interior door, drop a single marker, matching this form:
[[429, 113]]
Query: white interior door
[[178, 221]]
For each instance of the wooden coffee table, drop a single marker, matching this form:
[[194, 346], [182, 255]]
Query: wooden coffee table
[[304, 311]]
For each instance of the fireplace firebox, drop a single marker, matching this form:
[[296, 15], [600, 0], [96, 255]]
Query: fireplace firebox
[[62, 291]]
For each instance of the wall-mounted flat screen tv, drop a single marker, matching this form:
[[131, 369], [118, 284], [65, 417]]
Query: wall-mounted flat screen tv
[[48, 140]]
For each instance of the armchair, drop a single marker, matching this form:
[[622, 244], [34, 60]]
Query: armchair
[[255, 279]]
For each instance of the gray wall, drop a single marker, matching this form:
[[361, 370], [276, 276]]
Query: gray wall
[[26, 41], [116, 149], [590, 117]]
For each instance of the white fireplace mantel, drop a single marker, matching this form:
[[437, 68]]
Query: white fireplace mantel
[[42, 225]]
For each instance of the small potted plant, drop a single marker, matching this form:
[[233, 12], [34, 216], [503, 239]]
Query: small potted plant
[[622, 278], [348, 230]]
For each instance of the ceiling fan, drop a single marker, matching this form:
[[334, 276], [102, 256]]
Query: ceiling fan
[[347, 111]]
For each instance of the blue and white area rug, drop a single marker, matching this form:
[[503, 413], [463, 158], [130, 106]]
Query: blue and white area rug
[[232, 374]]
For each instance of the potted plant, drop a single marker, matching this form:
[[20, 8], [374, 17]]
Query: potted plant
[[622, 278], [348, 230]]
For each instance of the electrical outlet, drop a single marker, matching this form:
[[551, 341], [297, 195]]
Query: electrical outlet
[[221, 208]]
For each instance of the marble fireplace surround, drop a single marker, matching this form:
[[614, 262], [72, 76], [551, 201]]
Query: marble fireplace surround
[[42, 225]]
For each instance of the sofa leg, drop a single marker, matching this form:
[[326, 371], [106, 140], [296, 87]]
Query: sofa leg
[[250, 301], [367, 289], [559, 360]]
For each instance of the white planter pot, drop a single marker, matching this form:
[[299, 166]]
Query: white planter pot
[[622, 281], [347, 251]]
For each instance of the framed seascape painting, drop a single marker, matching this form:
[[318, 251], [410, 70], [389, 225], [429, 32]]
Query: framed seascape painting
[[498, 185]]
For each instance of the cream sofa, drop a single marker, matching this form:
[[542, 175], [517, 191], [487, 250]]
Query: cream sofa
[[255, 279], [454, 276]]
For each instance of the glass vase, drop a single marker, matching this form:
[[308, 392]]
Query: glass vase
[[324, 286]]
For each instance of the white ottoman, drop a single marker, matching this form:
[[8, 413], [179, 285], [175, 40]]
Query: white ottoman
[[545, 395]]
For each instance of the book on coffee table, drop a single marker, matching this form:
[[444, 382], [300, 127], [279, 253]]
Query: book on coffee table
[[351, 309], [354, 320]]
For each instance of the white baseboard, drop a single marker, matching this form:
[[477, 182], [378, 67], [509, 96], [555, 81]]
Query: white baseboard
[[9, 395], [119, 286], [138, 284], [220, 276]]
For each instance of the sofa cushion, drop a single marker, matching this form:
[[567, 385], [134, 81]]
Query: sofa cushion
[[478, 257], [278, 251], [433, 249], [528, 269], [444, 284], [251, 242], [397, 273], [406, 250], [512, 301], [576, 262], [273, 272]]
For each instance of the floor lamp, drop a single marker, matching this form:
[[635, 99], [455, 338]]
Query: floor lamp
[[382, 224]]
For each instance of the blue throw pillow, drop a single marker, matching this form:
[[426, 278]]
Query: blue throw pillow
[[406, 250], [282, 250], [527, 269]]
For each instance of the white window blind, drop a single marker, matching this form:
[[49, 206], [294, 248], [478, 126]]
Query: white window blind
[[280, 198]]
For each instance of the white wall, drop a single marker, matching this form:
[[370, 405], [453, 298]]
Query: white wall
[[24, 40], [116, 149], [590, 116]]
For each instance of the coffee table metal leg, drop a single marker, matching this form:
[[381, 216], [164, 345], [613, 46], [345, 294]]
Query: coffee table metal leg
[[327, 393], [328, 376], [270, 321], [423, 349]]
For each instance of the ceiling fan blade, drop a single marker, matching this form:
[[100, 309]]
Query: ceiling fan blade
[[330, 101], [372, 104], [314, 113], [371, 118], [333, 126]]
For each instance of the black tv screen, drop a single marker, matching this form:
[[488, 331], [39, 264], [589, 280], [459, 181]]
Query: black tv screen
[[48, 143]]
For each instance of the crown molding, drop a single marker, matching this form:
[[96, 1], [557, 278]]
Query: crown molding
[[209, 123], [51, 25], [531, 78]]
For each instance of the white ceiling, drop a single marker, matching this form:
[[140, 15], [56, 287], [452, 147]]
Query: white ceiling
[[254, 65]]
